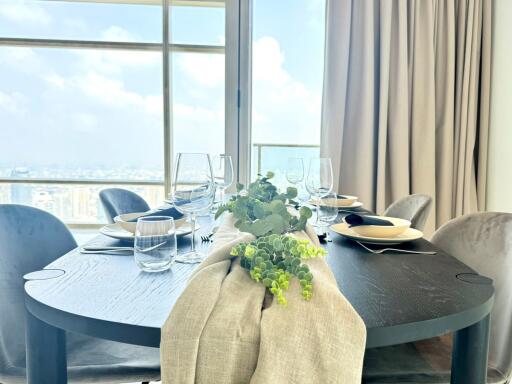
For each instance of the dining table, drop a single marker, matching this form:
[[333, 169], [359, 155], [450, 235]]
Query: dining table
[[401, 297]]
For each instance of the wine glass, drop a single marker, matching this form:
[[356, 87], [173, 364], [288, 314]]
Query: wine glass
[[193, 192], [327, 211], [295, 170], [319, 180], [222, 166]]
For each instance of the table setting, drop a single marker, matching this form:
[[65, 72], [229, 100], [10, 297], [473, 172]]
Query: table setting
[[266, 256]]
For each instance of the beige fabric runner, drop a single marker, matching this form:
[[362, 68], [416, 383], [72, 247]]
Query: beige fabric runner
[[225, 329]]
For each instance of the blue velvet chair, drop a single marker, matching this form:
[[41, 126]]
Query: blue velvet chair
[[414, 208], [29, 240], [118, 201]]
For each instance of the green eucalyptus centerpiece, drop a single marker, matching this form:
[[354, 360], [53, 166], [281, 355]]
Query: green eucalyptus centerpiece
[[275, 256]]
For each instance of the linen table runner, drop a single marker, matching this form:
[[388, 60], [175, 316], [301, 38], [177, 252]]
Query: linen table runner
[[225, 328]]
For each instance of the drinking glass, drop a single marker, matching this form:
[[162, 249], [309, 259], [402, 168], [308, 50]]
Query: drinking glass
[[295, 170], [155, 243], [222, 166], [319, 180], [327, 211], [193, 192]]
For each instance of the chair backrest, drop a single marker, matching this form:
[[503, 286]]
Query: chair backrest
[[483, 241], [29, 240], [414, 208], [118, 201]]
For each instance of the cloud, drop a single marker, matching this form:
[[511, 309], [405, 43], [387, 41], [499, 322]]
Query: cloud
[[204, 69], [113, 93], [115, 33], [14, 103], [21, 11], [285, 110], [207, 125], [114, 62], [84, 123]]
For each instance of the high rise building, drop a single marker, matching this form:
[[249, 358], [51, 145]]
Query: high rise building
[[21, 193]]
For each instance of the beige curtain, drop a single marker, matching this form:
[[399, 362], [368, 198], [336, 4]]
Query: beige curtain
[[406, 101]]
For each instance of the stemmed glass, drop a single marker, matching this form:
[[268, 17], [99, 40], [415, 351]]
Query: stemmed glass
[[327, 212], [193, 192], [222, 173], [319, 180], [295, 170]]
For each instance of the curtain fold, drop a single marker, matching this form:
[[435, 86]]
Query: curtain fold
[[406, 101]]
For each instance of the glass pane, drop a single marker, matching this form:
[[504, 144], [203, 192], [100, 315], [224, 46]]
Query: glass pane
[[198, 102], [76, 20], [198, 25], [59, 106], [287, 81], [72, 203]]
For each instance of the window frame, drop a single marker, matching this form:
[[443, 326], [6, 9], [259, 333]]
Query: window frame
[[237, 52]]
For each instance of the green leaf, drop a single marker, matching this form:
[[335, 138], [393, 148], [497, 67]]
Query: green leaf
[[291, 192], [239, 187], [221, 210], [277, 223], [305, 212]]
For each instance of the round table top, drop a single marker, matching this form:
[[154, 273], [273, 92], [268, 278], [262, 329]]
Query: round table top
[[401, 297]]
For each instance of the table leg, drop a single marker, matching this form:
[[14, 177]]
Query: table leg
[[470, 351], [46, 352]]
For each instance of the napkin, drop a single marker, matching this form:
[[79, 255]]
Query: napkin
[[172, 212], [354, 220]]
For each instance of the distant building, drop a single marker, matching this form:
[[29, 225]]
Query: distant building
[[21, 193]]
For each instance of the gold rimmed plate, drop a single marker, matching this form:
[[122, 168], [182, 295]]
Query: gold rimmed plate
[[409, 235]]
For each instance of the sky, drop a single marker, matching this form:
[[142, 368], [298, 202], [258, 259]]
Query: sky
[[59, 106]]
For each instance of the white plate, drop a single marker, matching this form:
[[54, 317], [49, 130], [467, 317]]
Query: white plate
[[356, 205], [117, 232], [409, 235], [348, 201]]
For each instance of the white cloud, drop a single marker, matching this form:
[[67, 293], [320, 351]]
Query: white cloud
[[284, 109], [113, 62], [21, 11], [55, 80], [115, 33], [14, 102], [206, 125], [204, 69], [113, 93], [84, 123]]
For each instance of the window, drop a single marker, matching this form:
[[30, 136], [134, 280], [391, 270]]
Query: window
[[97, 93], [81, 78], [287, 76]]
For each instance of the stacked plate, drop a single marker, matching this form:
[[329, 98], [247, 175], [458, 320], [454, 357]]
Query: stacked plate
[[342, 202], [399, 232], [124, 229]]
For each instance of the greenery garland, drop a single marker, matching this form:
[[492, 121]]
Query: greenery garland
[[274, 257], [262, 210]]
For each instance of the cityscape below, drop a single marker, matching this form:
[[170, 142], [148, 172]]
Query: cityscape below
[[79, 203]]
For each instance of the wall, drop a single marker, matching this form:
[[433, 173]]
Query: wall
[[499, 187]]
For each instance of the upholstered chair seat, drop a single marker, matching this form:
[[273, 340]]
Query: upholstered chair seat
[[483, 241], [414, 208], [118, 201], [30, 239]]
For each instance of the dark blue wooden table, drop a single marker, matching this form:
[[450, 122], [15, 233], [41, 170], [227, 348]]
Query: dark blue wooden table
[[401, 298]]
